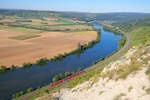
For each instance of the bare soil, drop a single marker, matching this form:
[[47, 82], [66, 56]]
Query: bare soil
[[49, 44]]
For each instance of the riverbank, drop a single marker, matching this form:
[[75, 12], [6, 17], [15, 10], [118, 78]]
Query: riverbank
[[70, 83], [48, 45], [125, 78]]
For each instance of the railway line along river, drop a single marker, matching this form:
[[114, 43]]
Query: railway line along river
[[35, 76]]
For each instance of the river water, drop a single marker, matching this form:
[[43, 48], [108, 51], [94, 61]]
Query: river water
[[22, 79]]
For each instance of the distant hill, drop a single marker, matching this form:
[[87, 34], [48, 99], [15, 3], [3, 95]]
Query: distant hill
[[74, 15]]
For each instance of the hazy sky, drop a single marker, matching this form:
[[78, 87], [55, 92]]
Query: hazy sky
[[80, 5]]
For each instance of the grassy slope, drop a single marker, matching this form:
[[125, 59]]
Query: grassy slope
[[139, 35], [138, 29]]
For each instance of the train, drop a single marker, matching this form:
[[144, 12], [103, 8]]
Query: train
[[68, 78]]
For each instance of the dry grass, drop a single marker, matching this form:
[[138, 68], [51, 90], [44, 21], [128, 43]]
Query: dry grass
[[118, 97], [130, 88]]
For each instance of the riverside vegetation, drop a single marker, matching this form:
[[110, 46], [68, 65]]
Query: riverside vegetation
[[138, 54], [63, 75], [60, 57]]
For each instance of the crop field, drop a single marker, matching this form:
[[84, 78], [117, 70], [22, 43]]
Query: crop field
[[45, 24], [31, 40]]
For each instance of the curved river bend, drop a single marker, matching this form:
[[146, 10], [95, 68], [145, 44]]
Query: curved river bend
[[22, 79]]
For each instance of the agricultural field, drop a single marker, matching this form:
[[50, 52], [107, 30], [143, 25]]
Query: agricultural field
[[45, 24], [32, 39]]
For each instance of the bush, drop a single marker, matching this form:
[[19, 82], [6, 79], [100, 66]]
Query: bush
[[67, 74], [79, 69], [60, 76], [122, 42], [95, 62], [3, 69], [148, 72], [42, 61], [102, 58], [27, 65], [56, 78], [13, 67], [29, 90]]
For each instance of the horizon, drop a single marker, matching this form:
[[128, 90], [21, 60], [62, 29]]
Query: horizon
[[87, 6], [72, 11]]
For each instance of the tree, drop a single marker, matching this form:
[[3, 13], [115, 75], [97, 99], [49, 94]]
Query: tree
[[3, 69], [21, 93], [12, 68], [42, 61], [67, 74], [29, 90], [79, 69], [56, 78], [60, 76], [27, 65], [102, 58], [79, 46]]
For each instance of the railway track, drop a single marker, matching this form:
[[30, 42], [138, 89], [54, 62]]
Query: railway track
[[117, 55]]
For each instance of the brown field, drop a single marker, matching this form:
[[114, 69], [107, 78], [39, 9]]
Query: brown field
[[49, 44], [7, 20], [51, 19]]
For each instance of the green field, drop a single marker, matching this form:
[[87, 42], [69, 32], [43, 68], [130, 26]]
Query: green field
[[24, 37], [39, 25]]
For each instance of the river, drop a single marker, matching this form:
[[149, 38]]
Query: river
[[22, 79]]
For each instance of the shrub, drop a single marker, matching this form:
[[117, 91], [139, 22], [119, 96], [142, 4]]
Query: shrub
[[95, 62], [67, 74], [42, 61], [79, 69], [3, 69], [102, 58], [148, 71], [60, 76], [56, 78], [21, 93], [12, 68], [27, 65], [72, 73], [29, 90]]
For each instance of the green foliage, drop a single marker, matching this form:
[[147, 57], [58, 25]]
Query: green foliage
[[60, 76], [16, 95], [79, 46], [102, 58], [3, 69], [148, 90], [122, 42], [67, 74], [79, 69], [56, 78], [41, 62], [72, 73], [95, 62], [148, 71], [29, 90], [27, 65], [25, 37], [138, 29], [13, 67], [118, 97]]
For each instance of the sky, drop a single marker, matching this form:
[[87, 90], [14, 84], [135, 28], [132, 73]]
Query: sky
[[94, 6]]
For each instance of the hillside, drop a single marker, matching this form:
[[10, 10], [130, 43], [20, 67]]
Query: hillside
[[124, 79], [88, 17]]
